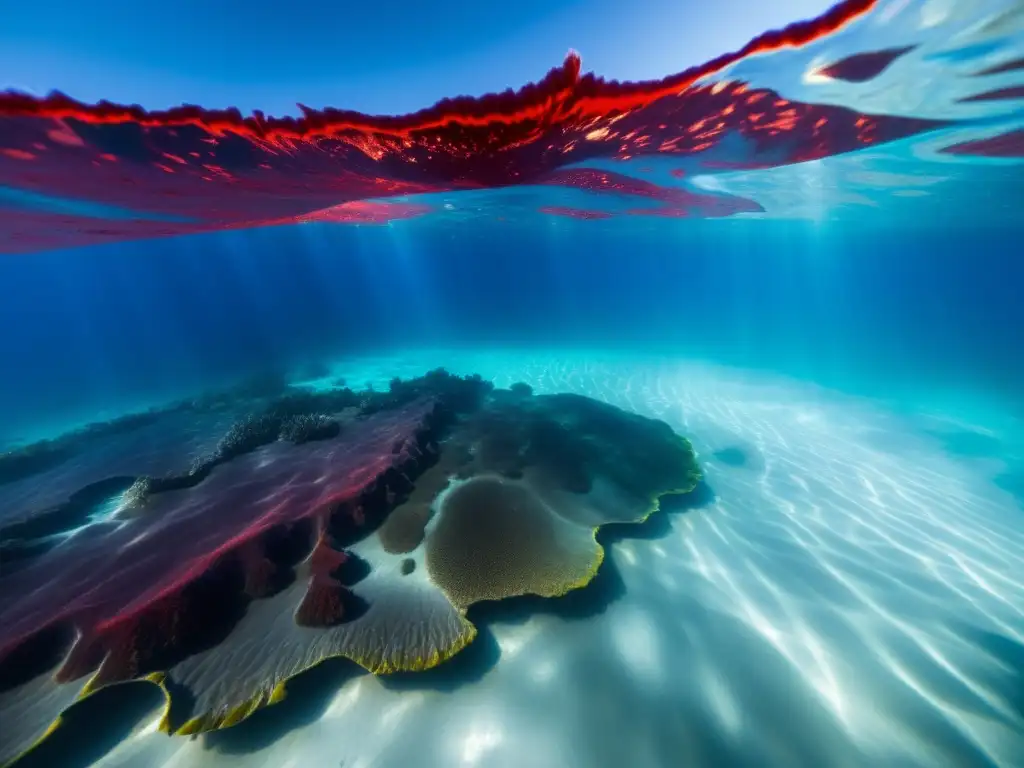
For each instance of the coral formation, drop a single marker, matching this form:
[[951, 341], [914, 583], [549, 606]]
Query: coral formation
[[309, 426], [297, 539], [247, 435]]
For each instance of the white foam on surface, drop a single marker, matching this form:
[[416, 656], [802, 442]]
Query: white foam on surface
[[853, 596]]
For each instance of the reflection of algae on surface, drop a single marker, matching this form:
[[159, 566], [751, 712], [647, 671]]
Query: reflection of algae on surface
[[207, 722]]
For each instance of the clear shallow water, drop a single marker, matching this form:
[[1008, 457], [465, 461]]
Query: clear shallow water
[[845, 589]]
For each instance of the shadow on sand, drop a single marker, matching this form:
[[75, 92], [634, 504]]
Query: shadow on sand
[[93, 727], [971, 444]]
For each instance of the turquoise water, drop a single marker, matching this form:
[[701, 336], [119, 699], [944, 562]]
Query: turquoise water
[[845, 586]]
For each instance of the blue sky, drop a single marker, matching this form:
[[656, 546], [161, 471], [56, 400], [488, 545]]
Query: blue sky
[[377, 57]]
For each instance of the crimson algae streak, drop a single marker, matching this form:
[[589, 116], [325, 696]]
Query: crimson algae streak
[[197, 170]]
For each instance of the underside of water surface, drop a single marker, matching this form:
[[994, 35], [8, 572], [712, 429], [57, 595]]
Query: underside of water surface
[[677, 422]]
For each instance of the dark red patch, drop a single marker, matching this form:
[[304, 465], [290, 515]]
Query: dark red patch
[[323, 605], [1007, 66], [999, 94], [324, 559], [1005, 145], [261, 574], [862, 67], [259, 578]]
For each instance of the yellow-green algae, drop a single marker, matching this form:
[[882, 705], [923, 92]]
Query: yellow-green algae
[[209, 721]]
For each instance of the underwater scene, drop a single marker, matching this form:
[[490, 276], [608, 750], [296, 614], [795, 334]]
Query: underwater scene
[[671, 416]]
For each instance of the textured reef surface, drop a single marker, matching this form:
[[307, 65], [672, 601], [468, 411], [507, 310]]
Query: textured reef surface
[[80, 174], [256, 537]]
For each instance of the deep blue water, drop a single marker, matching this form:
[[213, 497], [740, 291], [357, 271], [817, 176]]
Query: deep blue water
[[107, 328]]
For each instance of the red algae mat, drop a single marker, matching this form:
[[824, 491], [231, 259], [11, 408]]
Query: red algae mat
[[84, 174]]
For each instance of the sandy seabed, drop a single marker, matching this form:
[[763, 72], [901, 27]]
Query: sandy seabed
[[844, 592]]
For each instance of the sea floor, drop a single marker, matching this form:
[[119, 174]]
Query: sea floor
[[847, 589]]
